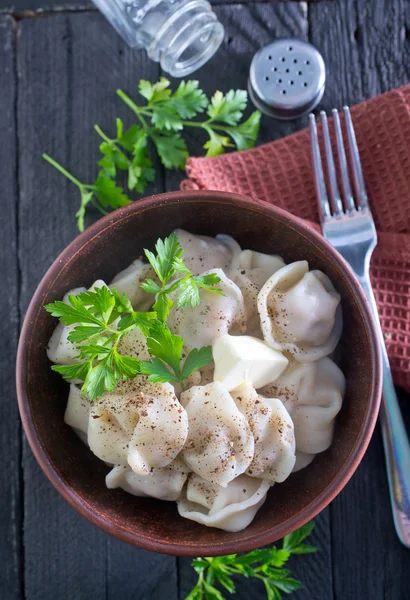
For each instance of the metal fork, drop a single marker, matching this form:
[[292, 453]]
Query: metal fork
[[348, 225]]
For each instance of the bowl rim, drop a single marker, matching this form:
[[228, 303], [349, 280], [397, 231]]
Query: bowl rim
[[184, 549]]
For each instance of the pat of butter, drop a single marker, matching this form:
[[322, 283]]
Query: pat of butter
[[244, 358]]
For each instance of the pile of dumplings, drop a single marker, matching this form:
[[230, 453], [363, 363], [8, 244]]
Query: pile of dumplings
[[214, 450]]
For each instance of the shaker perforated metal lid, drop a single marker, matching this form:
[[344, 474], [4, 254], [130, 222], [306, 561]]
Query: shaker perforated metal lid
[[287, 78]]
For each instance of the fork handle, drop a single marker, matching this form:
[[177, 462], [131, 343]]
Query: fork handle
[[395, 439]]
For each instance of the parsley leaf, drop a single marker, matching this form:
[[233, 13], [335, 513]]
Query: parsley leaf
[[166, 263], [264, 565], [245, 134], [109, 194], [168, 251], [196, 359], [171, 149], [228, 108], [155, 92], [188, 99], [167, 348], [216, 143]]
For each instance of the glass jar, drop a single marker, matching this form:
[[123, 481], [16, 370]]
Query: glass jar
[[181, 35]]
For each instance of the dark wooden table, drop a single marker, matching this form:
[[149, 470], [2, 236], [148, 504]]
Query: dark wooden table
[[59, 69]]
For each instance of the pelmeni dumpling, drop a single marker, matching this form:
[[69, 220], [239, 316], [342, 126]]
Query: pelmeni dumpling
[[140, 424], [213, 317], [164, 483], [230, 508], [272, 428], [129, 282], [77, 412], [134, 343], [220, 442], [202, 253], [313, 395], [253, 271], [302, 461], [300, 312]]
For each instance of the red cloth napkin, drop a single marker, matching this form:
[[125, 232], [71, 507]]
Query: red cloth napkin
[[281, 173]]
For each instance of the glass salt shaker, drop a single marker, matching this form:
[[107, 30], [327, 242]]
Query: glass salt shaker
[[181, 35]]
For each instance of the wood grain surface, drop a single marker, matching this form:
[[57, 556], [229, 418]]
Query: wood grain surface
[[60, 67]]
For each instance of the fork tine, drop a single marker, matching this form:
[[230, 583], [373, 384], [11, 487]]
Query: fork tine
[[347, 190], [358, 181], [334, 189], [322, 200]]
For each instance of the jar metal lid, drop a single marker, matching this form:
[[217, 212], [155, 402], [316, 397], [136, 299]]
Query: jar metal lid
[[287, 78]]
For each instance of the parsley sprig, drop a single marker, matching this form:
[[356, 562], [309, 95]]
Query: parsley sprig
[[167, 350], [96, 335], [166, 264], [101, 318], [265, 565], [160, 122]]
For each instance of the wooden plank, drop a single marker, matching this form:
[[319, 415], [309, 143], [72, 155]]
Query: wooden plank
[[366, 52], [69, 68], [11, 548]]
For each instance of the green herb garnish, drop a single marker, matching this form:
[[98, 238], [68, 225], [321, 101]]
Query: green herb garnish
[[160, 122], [166, 264], [167, 348], [93, 313], [102, 317], [265, 565]]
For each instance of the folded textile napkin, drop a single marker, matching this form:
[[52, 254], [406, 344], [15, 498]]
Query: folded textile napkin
[[281, 173]]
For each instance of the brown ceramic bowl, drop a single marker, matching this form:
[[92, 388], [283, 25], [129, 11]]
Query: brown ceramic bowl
[[100, 252]]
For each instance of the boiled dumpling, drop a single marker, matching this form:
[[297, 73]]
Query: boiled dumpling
[[230, 508], [164, 483], [140, 424], [134, 343], [213, 317], [302, 461], [300, 312], [129, 282], [253, 271], [77, 412], [313, 395], [272, 428], [202, 253], [220, 442]]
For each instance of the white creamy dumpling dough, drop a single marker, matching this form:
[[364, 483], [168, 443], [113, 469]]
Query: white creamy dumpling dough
[[140, 424], [303, 460], [273, 432], [164, 483], [220, 442], [313, 395], [300, 312], [77, 412], [253, 271], [230, 508], [129, 282], [202, 253], [213, 317], [134, 343]]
